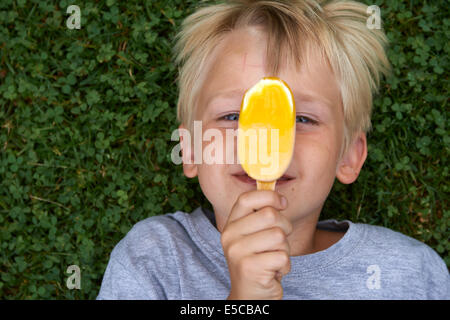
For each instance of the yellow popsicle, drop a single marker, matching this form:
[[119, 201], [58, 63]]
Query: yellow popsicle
[[266, 131]]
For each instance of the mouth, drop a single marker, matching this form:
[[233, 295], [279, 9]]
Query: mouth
[[243, 177]]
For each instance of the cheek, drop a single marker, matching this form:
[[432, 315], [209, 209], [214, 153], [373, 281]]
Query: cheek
[[212, 170], [220, 146], [316, 156], [210, 178], [230, 147]]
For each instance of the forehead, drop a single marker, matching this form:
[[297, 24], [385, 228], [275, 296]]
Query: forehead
[[239, 61]]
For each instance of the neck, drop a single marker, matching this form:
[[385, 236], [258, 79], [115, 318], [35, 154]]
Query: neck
[[303, 238]]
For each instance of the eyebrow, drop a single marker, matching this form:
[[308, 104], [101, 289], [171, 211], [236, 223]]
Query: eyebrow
[[300, 97], [226, 95], [231, 94]]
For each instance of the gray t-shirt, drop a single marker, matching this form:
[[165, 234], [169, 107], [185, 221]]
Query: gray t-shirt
[[180, 256]]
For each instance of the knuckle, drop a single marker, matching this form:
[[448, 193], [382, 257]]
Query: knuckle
[[270, 215], [243, 198], [278, 235], [233, 249], [284, 258], [275, 289], [265, 282], [274, 197]]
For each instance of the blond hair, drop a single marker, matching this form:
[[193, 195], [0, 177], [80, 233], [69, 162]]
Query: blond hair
[[337, 29]]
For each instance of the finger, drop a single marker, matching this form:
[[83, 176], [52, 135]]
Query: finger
[[272, 239], [275, 262], [278, 276], [265, 218], [249, 202]]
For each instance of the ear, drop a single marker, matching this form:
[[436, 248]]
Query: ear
[[189, 168], [352, 161]]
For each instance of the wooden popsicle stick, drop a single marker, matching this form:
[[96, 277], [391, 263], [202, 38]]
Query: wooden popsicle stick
[[265, 185]]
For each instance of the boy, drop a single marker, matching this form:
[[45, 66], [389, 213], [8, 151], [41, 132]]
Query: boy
[[269, 244]]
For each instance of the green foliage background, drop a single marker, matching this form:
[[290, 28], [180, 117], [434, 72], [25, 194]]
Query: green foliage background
[[86, 118]]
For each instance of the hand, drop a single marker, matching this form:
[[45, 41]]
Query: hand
[[255, 246]]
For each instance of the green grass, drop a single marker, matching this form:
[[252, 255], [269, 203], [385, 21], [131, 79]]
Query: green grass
[[85, 123]]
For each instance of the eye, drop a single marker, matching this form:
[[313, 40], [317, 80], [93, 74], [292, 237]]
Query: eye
[[230, 117], [305, 120]]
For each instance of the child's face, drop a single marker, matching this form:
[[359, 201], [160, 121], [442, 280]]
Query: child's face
[[235, 66]]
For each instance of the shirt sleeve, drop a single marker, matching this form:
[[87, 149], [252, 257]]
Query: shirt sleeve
[[124, 281], [141, 265], [437, 275]]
